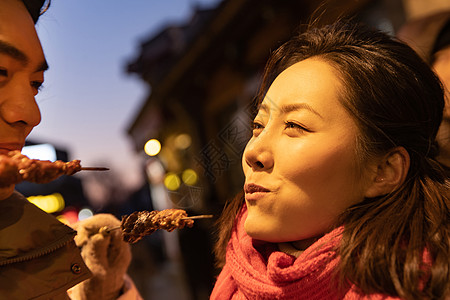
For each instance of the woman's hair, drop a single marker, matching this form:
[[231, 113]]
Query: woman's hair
[[36, 7], [397, 244]]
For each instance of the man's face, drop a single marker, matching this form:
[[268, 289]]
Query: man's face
[[22, 66]]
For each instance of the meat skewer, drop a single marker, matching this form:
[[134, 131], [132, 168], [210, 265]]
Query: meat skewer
[[16, 167], [141, 223]]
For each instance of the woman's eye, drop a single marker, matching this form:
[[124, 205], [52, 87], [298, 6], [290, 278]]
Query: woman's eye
[[292, 125], [256, 126]]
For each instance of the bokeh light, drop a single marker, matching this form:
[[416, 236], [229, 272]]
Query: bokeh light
[[152, 147], [172, 182], [69, 216], [183, 141], [85, 213], [189, 177], [155, 171], [49, 203]]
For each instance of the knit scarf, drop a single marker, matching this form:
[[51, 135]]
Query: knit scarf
[[258, 270]]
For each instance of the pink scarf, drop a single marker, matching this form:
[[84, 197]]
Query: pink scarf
[[258, 270]]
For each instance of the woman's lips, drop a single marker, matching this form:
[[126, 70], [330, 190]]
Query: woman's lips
[[254, 191], [251, 188]]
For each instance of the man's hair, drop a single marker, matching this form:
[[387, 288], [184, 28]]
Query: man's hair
[[36, 7]]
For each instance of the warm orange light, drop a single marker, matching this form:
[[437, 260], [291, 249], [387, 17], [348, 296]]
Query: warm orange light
[[183, 141], [48, 203]]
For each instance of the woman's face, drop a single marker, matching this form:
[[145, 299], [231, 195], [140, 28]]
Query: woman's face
[[300, 166]]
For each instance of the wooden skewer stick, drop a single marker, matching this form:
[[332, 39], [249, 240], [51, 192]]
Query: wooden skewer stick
[[108, 230], [94, 169], [197, 217]]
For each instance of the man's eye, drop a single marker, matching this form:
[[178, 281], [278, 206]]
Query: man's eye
[[37, 85], [3, 72]]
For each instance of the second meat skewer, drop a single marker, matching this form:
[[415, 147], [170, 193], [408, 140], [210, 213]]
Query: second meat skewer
[[141, 223]]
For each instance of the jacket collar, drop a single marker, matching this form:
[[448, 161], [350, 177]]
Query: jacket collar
[[27, 232]]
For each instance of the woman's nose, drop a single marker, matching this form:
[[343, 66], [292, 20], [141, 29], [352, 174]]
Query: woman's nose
[[258, 153], [18, 105]]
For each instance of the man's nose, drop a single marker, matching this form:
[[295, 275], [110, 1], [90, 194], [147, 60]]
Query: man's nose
[[18, 105]]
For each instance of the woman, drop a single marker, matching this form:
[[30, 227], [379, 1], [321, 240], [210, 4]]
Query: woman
[[343, 196]]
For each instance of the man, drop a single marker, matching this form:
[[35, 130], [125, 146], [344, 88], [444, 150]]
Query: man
[[38, 256]]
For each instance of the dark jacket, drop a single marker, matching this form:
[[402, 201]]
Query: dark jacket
[[38, 256]]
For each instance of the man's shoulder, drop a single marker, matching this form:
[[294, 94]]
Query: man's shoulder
[[25, 228]]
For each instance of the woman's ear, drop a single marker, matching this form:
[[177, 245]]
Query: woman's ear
[[390, 173]]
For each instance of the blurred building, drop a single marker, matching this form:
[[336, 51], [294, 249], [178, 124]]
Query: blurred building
[[203, 76]]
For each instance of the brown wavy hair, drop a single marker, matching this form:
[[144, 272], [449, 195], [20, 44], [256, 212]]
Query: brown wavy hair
[[397, 244]]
